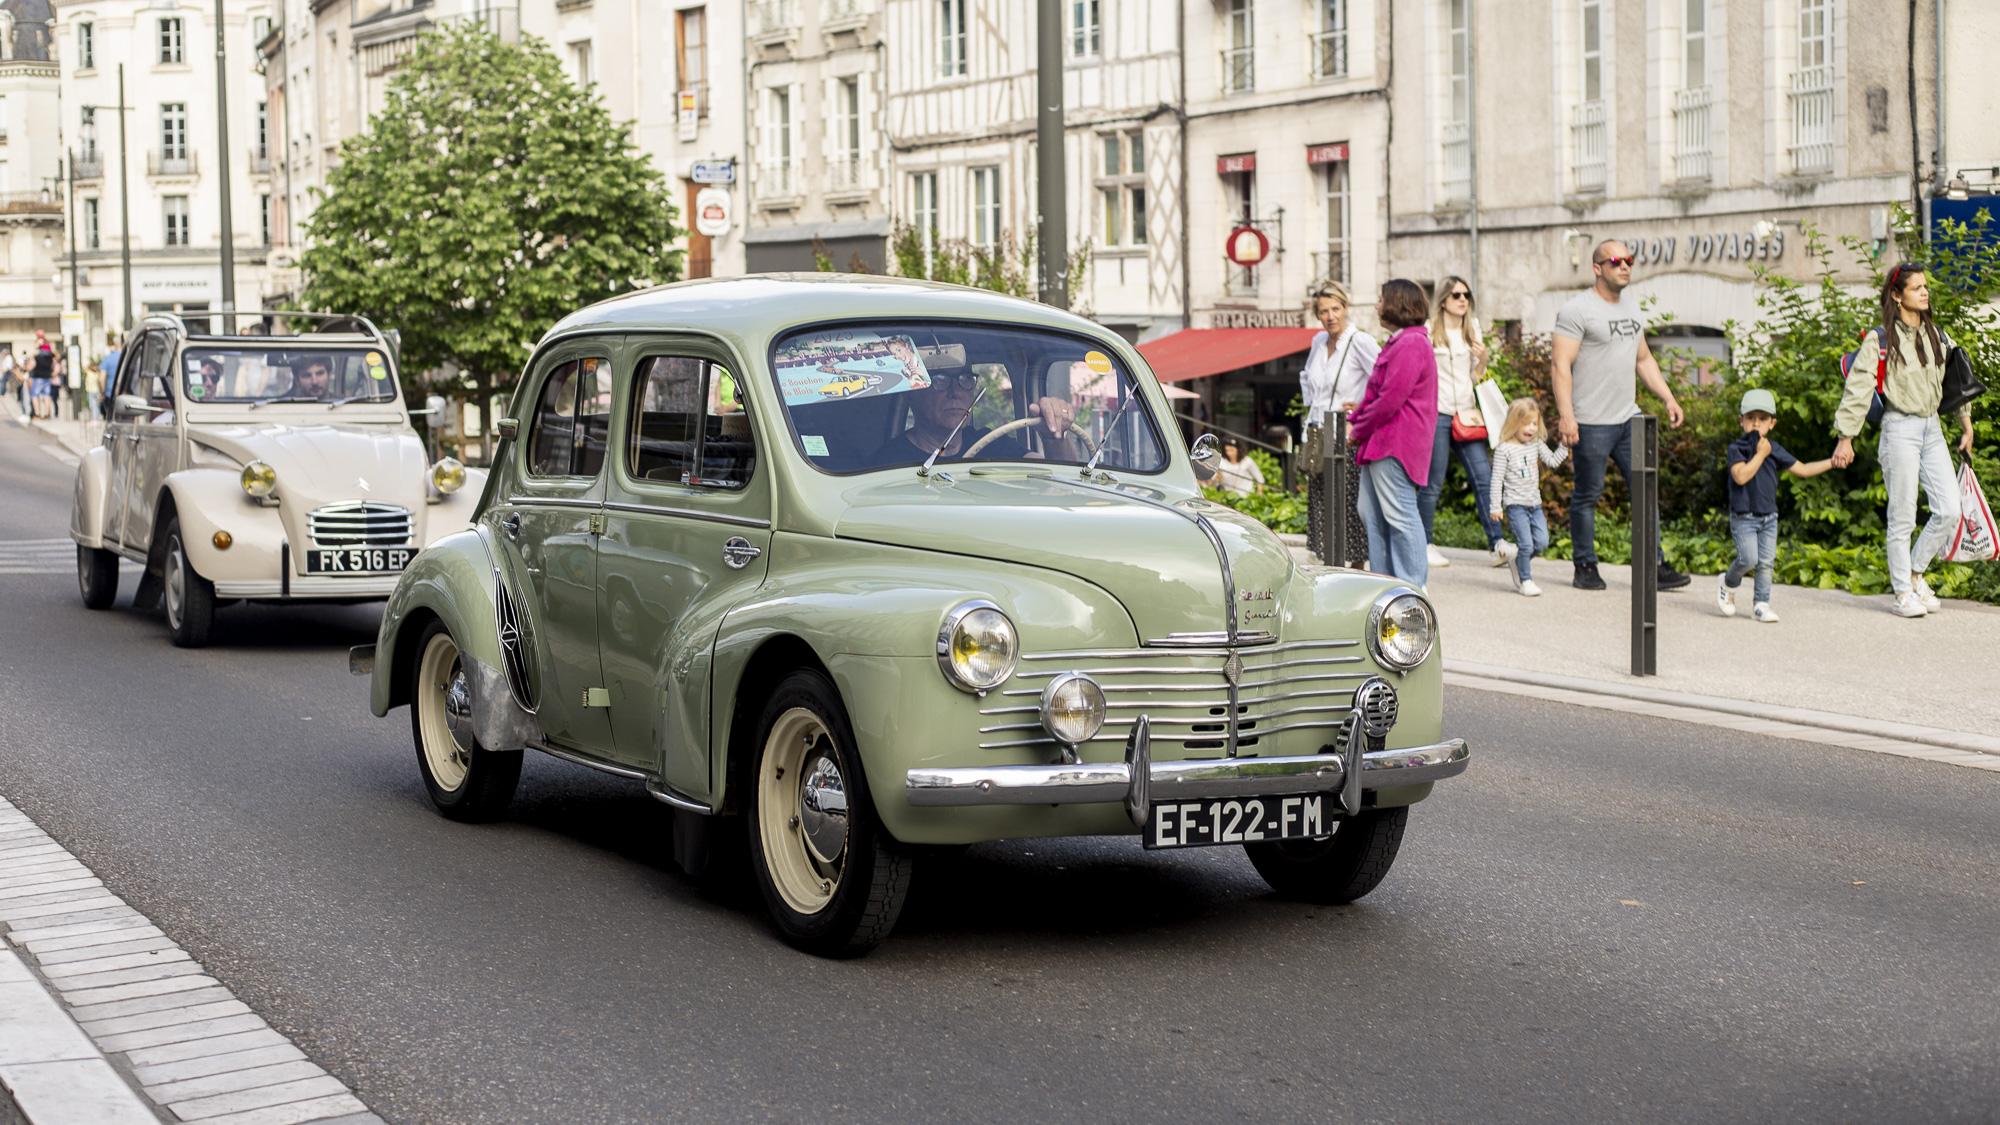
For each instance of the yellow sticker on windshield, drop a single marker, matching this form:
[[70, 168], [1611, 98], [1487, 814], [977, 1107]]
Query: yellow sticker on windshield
[[376, 369], [1098, 362], [374, 359]]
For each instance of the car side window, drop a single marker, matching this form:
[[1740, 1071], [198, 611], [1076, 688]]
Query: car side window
[[572, 418], [144, 376], [689, 424]]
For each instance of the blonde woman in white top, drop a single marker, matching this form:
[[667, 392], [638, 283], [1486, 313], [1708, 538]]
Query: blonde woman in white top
[[1336, 372], [1461, 363]]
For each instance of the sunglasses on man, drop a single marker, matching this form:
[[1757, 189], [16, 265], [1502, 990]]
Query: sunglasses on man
[[1616, 263]]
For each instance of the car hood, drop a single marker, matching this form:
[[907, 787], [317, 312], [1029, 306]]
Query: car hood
[[1157, 563], [318, 463]]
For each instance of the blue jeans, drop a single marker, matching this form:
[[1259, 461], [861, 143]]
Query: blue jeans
[[1389, 512], [1913, 452], [1596, 444], [1756, 549], [1478, 462], [1531, 535]]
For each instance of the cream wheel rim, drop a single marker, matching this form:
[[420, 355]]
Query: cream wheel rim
[[177, 582], [805, 881], [441, 683]]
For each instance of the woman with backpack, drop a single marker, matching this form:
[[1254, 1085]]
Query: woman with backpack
[[1908, 353]]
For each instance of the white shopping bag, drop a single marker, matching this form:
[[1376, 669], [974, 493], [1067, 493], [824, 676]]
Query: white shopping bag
[[1493, 405], [1977, 539]]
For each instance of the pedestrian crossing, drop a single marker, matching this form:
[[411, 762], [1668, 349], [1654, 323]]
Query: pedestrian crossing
[[37, 556]]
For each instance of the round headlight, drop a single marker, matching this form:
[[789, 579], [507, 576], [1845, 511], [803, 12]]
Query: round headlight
[[1402, 630], [977, 646], [448, 475], [259, 479], [1073, 708]]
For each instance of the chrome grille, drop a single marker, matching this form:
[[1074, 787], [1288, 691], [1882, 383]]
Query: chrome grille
[[359, 523], [1184, 692]]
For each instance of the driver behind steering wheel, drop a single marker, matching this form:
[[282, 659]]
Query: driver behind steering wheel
[[938, 407]]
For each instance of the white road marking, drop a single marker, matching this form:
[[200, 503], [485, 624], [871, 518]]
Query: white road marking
[[121, 986]]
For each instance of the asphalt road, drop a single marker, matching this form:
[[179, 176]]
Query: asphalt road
[[1609, 918]]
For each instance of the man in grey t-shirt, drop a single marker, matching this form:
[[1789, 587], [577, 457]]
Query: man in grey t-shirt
[[1600, 344]]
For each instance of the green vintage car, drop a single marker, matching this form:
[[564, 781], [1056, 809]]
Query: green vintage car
[[849, 569]]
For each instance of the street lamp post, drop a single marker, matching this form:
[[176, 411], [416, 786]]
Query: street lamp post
[[124, 207], [1051, 196], [222, 171], [76, 343]]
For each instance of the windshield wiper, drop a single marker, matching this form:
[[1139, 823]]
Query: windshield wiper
[[951, 437], [284, 399], [369, 397], [1106, 443]]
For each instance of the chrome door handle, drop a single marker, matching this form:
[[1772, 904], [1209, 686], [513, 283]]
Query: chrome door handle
[[511, 524], [737, 553]]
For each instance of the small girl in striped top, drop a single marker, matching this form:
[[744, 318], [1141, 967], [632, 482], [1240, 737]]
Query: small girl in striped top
[[1517, 487]]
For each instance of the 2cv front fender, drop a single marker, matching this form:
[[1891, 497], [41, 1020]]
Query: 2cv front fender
[[454, 581], [93, 495]]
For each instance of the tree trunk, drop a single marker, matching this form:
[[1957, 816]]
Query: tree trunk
[[484, 382]]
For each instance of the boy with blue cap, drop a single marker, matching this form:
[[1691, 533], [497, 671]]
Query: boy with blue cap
[[1754, 461]]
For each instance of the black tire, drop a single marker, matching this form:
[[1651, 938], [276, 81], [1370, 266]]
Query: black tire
[[189, 598], [97, 577], [466, 781], [838, 907], [1339, 868]]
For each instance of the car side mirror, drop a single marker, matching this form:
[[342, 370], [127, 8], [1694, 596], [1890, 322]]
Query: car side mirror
[[130, 406], [1206, 458], [508, 427]]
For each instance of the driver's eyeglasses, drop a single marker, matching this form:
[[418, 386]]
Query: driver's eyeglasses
[[964, 382], [1616, 263]]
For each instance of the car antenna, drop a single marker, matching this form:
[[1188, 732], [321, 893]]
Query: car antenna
[[1106, 443], [953, 436]]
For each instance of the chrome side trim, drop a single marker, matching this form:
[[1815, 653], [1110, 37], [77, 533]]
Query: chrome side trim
[[1156, 649], [552, 502], [687, 513], [593, 763], [1107, 782], [660, 792], [1205, 640]]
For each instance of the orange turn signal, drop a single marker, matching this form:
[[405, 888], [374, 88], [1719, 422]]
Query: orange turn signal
[[222, 540]]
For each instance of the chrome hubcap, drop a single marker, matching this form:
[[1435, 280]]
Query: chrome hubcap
[[444, 714], [458, 710], [823, 807]]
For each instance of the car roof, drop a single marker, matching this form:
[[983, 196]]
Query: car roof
[[765, 304]]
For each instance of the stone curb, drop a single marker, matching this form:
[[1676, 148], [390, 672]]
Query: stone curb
[[1800, 716]]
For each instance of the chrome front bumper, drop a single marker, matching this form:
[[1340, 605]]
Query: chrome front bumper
[[1103, 783]]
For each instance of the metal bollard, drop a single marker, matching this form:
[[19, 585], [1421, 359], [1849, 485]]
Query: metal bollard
[[1333, 478], [1645, 486]]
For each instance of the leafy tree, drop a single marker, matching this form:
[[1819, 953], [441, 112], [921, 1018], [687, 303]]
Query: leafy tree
[[1008, 266], [489, 198]]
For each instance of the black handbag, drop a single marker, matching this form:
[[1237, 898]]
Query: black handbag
[[1961, 384]]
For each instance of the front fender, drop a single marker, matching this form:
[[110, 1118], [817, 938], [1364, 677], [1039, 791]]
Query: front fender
[[210, 500], [92, 496]]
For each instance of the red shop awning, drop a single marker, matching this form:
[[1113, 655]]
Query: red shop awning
[[1194, 352]]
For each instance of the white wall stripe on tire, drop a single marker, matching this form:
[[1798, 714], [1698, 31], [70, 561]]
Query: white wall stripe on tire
[[103, 1018]]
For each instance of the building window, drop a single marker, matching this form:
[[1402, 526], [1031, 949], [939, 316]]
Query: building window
[[845, 175], [580, 63], [3, 117], [1457, 129], [86, 46], [924, 212], [174, 210], [951, 38], [173, 133], [90, 231], [985, 207], [1334, 264], [1085, 32], [690, 45], [1587, 119], [260, 29], [1691, 147], [1240, 193], [1330, 41], [172, 43], [1121, 188], [1239, 59], [263, 134], [1812, 91], [264, 217], [86, 135], [777, 171]]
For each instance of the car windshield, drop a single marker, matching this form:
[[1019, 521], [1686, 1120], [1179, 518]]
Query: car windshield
[[292, 374], [864, 396]]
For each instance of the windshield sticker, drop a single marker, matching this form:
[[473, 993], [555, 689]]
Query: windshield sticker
[[815, 445], [376, 369], [848, 363], [1098, 362]]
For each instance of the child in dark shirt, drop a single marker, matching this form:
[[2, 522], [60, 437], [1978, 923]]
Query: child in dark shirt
[[1754, 461]]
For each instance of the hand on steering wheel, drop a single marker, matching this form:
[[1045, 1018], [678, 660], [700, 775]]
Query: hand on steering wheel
[[1082, 435]]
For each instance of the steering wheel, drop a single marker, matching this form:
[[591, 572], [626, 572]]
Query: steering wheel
[[1082, 435]]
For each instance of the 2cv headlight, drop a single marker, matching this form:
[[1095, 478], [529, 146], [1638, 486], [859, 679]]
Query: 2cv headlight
[[448, 475], [259, 479], [977, 647], [1402, 630]]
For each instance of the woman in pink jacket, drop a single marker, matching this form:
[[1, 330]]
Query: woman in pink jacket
[[1393, 429]]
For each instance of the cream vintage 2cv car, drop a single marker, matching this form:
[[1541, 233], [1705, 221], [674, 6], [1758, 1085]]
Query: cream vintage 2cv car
[[846, 568], [246, 466]]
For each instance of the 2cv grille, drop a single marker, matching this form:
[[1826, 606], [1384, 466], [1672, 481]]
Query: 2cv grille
[[359, 523]]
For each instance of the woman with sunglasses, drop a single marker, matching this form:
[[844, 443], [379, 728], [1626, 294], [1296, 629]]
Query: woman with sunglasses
[[1461, 429]]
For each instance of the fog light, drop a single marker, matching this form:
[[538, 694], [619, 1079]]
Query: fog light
[[1073, 708], [222, 540]]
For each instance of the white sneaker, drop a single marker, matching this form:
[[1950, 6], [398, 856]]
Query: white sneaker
[[1908, 605], [1503, 553], [1436, 560], [1725, 598], [1762, 611], [1922, 590], [1529, 589]]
